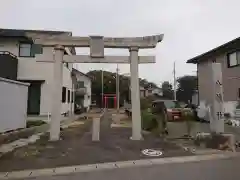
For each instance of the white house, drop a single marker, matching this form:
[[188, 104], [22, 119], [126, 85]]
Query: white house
[[82, 89], [145, 92], [38, 74]]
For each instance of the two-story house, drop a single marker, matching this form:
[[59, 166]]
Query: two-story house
[[228, 55], [83, 89], [38, 74], [145, 92]]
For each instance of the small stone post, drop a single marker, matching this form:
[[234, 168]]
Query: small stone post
[[217, 108], [95, 129]]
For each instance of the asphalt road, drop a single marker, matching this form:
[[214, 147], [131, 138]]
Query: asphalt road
[[204, 170]]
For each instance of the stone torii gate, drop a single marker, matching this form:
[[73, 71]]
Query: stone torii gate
[[97, 45]]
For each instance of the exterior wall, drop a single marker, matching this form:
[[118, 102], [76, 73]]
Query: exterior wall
[[148, 92], [230, 84], [142, 93], [30, 69], [204, 81], [67, 82], [195, 99], [157, 91], [88, 95], [13, 104], [88, 85]]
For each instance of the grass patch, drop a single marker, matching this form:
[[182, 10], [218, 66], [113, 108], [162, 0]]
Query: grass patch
[[35, 123]]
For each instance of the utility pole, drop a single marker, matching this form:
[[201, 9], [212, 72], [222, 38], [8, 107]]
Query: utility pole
[[117, 87], [102, 89], [129, 86], [174, 81]]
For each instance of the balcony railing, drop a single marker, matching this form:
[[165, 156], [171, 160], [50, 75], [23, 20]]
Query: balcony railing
[[81, 91], [8, 53]]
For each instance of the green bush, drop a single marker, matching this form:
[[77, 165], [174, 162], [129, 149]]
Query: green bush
[[149, 121], [35, 123], [188, 117], [145, 103]]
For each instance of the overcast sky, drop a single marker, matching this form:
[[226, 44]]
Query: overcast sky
[[190, 27]]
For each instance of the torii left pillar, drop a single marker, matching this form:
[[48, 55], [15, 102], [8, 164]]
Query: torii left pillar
[[56, 94], [135, 97]]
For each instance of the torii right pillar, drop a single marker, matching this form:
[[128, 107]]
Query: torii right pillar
[[135, 96]]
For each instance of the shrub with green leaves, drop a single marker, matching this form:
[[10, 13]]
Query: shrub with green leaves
[[149, 121], [188, 117], [32, 123], [145, 103]]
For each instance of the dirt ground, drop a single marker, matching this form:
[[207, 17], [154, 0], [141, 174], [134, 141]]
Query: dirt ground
[[76, 148], [177, 129]]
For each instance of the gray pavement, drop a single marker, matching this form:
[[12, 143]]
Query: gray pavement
[[203, 170]]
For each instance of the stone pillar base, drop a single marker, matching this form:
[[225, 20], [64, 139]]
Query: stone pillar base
[[136, 139], [217, 141]]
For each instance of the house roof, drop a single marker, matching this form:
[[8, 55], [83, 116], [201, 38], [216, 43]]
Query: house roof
[[22, 33], [75, 71], [212, 53]]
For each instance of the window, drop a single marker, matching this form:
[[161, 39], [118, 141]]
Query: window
[[80, 84], [239, 93], [25, 50], [64, 91], [65, 63], [233, 59], [69, 96], [72, 97]]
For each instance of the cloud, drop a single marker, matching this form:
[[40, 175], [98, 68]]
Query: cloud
[[191, 27]]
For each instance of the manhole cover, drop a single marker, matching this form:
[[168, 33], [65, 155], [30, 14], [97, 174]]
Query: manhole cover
[[152, 152]]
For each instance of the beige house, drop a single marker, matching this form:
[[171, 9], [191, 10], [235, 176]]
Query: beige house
[[16, 43], [228, 55], [145, 92], [83, 89]]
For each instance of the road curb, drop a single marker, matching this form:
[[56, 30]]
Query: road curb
[[113, 165]]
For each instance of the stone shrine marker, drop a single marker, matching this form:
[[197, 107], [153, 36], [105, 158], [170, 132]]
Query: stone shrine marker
[[217, 107]]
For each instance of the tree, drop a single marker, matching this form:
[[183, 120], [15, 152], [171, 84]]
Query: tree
[[187, 86], [109, 86], [167, 90], [144, 83]]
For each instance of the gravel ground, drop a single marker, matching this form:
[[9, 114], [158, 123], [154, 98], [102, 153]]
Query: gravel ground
[[76, 148]]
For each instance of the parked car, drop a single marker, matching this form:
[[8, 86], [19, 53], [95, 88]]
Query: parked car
[[174, 112], [78, 109], [194, 109]]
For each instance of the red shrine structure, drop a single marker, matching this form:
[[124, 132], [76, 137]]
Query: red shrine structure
[[106, 100]]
